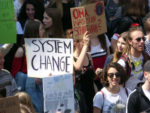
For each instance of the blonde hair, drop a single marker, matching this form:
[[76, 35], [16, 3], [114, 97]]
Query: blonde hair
[[25, 99], [25, 109], [118, 54]]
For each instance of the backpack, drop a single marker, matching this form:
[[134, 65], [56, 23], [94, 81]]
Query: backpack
[[125, 58]]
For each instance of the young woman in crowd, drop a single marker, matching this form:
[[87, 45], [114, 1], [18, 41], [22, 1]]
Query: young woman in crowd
[[52, 23], [121, 43], [30, 10], [64, 8], [99, 49], [84, 71], [113, 97], [19, 67]]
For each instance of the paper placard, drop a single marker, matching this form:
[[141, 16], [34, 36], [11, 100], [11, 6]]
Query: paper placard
[[88, 18], [58, 94], [47, 56], [7, 22]]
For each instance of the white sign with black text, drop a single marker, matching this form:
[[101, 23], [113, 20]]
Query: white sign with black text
[[49, 56]]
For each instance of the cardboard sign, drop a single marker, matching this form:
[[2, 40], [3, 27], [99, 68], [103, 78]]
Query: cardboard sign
[[9, 105], [58, 94], [7, 23], [47, 56], [88, 18]]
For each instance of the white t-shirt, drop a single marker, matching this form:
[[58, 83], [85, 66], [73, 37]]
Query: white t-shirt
[[136, 73], [147, 93], [19, 28], [98, 50], [111, 103]]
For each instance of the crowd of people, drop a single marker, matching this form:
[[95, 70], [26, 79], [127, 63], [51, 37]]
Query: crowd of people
[[111, 70]]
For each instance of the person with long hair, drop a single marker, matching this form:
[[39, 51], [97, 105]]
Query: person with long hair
[[30, 10], [134, 57], [52, 23], [33, 86], [112, 97], [99, 49], [121, 43], [84, 70], [64, 8]]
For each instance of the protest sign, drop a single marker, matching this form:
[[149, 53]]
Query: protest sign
[[7, 23], [58, 94], [9, 105], [47, 56], [88, 18]]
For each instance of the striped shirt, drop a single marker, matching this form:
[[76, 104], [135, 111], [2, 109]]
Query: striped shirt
[[7, 82]]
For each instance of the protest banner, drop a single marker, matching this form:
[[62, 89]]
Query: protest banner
[[47, 56], [7, 22], [9, 105], [58, 94], [89, 18]]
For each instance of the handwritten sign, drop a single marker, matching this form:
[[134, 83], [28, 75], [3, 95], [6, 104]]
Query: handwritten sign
[[58, 94], [9, 105], [49, 55], [7, 23], [88, 18]]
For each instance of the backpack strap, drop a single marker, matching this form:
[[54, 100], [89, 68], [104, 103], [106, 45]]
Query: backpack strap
[[128, 68], [103, 99], [126, 91]]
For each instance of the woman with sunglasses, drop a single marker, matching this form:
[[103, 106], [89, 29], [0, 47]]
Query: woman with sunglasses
[[112, 98]]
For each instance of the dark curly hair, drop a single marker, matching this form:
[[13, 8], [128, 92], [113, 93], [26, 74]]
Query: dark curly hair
[[38, 7], [119, 68]]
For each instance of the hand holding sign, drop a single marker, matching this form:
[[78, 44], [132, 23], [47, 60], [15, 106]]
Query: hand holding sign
[[86, 38]]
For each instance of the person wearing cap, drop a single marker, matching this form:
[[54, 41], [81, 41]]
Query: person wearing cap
[[139, 99]]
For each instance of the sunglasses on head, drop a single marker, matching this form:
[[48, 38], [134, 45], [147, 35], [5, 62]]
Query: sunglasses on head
[[111, 75], [140, 38]]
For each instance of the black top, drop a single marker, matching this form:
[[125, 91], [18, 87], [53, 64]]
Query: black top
[[138, 102], [84, 82]]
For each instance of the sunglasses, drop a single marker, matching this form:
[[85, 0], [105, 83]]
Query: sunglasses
[[140, 38], [111, 75]]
